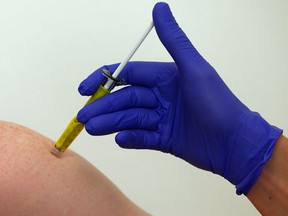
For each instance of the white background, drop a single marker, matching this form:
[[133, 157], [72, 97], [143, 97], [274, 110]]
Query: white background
[[48, 47]]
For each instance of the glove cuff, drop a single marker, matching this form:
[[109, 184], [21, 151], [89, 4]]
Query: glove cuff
[[253, 146]]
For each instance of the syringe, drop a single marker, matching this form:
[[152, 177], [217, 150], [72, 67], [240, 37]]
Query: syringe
[[74, 128]]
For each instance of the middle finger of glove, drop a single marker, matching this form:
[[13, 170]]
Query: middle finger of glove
[[126, 98]]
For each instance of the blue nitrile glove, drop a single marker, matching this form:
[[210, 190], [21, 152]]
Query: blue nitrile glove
[[183, 108]]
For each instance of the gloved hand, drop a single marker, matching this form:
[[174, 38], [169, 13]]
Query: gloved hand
[[183, 108]]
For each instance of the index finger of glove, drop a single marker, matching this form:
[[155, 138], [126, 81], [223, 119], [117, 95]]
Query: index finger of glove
[[146, 74], [90, 85]]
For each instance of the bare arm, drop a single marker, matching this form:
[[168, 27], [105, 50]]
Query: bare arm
[[270, 193], [34, 182]]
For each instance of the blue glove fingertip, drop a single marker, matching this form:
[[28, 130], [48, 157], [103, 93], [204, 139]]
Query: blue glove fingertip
[[81, 116], [81, 89], [90, 128], [123, 139], [162, 12]]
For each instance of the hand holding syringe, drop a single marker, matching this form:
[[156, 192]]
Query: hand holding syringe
[[75, 127]]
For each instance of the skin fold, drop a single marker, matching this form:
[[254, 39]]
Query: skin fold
[[35, 182]]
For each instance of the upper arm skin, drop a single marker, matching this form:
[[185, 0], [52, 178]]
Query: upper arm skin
[[35, 182]]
